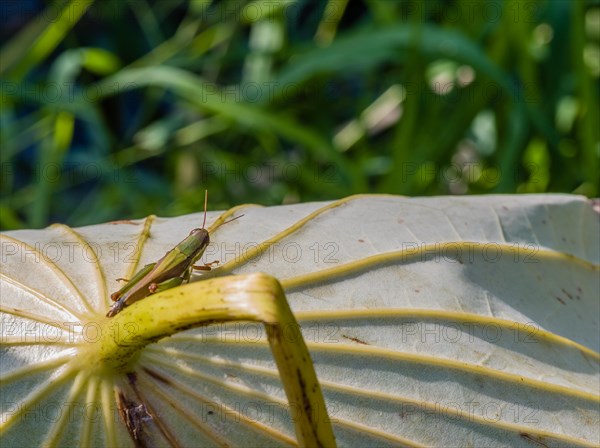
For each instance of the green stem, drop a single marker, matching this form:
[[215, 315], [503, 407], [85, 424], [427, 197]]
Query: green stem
[[255, 297]]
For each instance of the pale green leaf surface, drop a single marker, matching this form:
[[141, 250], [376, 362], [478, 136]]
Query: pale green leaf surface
[[479, 328]]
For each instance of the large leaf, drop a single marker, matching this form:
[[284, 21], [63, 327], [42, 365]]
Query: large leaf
[[447, 321]]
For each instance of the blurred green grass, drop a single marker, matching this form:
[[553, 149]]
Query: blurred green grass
[[114, 110]]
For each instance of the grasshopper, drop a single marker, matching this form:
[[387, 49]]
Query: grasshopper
[[174, 268]]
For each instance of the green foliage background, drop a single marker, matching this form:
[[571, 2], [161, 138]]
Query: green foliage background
[[119, 109]]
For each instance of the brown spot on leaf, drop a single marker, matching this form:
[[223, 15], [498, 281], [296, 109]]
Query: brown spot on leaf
[[561, 300], [124, 221], [538, 440], [134, 415], [358, 341], [566, 293]]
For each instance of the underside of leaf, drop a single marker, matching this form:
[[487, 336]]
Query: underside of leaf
[[430, 321]]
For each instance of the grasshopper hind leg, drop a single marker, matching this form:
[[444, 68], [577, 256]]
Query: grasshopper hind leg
[[132, 282]]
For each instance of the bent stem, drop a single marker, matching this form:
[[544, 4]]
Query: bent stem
[[255, 297]]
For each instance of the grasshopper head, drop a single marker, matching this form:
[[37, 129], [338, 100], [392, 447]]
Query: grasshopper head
[[202, 236]]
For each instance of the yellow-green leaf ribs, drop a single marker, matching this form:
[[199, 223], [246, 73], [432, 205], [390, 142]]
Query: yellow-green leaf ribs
[[255, 297]]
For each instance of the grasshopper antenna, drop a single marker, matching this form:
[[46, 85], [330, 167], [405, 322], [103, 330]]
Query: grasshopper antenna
[[229, 220], [205, 202]]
